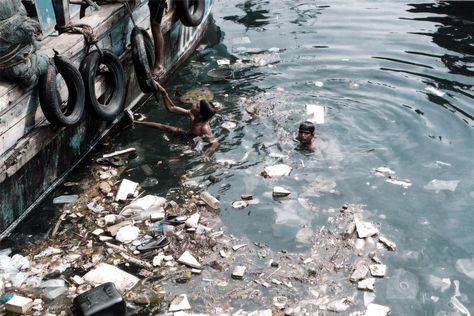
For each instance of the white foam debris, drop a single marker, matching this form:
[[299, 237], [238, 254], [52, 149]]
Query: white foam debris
[[315, 113], [383, 171], [440, 185], [126, 187], [466, 266], [434, 91], [377, 310], [179, 303], [188, 259], [278, 170], [365, 229], [403, 183]]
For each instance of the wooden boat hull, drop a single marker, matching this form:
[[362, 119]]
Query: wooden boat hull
[[35, 156]]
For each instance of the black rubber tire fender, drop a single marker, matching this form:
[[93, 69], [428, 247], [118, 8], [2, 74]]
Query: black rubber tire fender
[[190, 12], [143, 55], [114, 104], [50, 101]]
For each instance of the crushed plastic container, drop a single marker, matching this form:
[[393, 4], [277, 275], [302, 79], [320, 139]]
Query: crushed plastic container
[[101, 300]]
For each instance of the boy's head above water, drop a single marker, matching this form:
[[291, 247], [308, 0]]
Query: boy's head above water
[[306, 132], [204, 109]]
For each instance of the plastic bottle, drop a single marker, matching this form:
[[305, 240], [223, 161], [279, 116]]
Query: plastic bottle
[[210, 200]]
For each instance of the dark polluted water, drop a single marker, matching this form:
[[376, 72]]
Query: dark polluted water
[[395, 80]]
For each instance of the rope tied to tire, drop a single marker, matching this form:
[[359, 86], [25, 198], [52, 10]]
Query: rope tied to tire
[[86, 30]]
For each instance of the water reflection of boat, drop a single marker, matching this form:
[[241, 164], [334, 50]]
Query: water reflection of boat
[[35, 155], [455, 25]]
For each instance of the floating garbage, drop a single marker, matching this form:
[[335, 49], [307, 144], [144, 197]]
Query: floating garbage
[[179, 303], [65, 199], [315, 113], [239, 204], [366, 284], [19, 304], [466, 266], [365, 229], [278, 170], [104, 273], [228, 125], [385, 171], [101, 300], [150, 203], [126, 187], [223, 61], [238, 272], [221, 73], [434, 91], [279, 192], [119, 152], [403, 183], [127, 234], [188, 259], [377, 310], [195, 95], [210, 200], [441, 185], [338, 305]]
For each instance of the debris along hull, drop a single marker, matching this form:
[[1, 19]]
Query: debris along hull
[[36, 156]]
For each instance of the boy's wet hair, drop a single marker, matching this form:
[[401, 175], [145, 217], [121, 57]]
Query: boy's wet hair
[[206, 109], [307, 126]]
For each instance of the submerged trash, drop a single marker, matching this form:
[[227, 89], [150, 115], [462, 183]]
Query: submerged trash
[[466, 266], [65, 199], [188, 259], [377, 310], [126, 187], [19, 304], [278, 170], [238, 272], [179, 303], [228, 125], [104, 273], [239, 204], [223, 72], [195, 95], [279, 192], [315, 113], [210, 200], [149, 203], [119, 152], [440, 185], [103, 299]]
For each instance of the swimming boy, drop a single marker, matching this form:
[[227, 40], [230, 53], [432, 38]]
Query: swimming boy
[[199, 116], [306, 136]]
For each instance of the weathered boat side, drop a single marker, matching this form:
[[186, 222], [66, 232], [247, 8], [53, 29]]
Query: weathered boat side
[[36, 156]]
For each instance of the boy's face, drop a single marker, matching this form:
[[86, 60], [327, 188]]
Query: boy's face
[[305, 137]]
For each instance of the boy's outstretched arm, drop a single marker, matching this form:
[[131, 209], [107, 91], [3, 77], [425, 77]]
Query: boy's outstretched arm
[[206, 156], [169, 105]]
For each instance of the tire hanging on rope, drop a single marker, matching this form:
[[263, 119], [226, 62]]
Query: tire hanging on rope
[[54, 109], [143, 56], [111, 103], [190, 12]]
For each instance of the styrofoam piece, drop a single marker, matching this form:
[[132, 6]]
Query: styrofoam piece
[[126, 187], [146, 203], [104, 273], [315, 113]]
